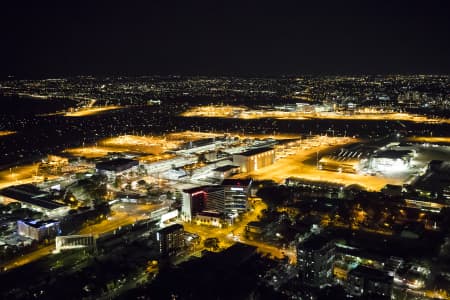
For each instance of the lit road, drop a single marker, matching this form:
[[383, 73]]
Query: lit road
[[90, 111], [5, 133], [430, 139], [123, 214], [27, 258]]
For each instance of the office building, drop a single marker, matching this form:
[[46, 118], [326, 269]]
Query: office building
[[170, 240], [254, 159], [315, 259], [38, 230], [236, 193]]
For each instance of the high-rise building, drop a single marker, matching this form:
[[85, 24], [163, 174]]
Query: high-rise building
[[315, 258], [170, 240], [236, 193], [193, 202], [229, 198]]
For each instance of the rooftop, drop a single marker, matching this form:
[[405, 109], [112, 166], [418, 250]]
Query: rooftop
[[256, 151], [237, 182], [171, 228], [38, 223], [393, 153], [225, 168], [371, 273], [118, 164], [30, 194]]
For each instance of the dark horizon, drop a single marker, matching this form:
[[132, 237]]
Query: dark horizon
[[249, 39]]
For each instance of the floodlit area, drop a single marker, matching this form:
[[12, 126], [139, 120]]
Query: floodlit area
[[302, 164], [430, 139], [149, 145], [246, 113], [84, 112], [153, 148], [394, 164], [19, 175], [5, 133]]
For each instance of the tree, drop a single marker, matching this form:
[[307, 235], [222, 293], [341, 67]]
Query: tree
[[274, 195], [13, 206], [211, 243]]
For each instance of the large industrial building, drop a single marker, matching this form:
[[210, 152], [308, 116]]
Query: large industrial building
[[254, 159], [32, 197], [118, 166], [390, 161], [70, 242]]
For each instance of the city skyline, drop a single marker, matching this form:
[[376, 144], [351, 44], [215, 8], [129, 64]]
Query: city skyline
[[249, 150]]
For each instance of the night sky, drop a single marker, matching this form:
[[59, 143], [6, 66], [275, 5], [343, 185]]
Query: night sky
[[246, 38]]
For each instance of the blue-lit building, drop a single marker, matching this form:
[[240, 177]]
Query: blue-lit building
[[38, 230]]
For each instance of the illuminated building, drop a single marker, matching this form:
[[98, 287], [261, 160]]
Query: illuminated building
[[32, 197], [344, 161], [254, 159], [74, 242], [228, 199], [210, 218], [368, 282], [116, 167], [38, 230], [315, 258], [170, 240], [193, 202], [390, 161], [236, 193]]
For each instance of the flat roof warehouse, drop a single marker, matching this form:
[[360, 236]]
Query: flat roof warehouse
[[30, 194]]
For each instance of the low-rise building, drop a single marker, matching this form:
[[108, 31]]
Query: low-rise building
[[38, 230], [118, 166], [368, 282]]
